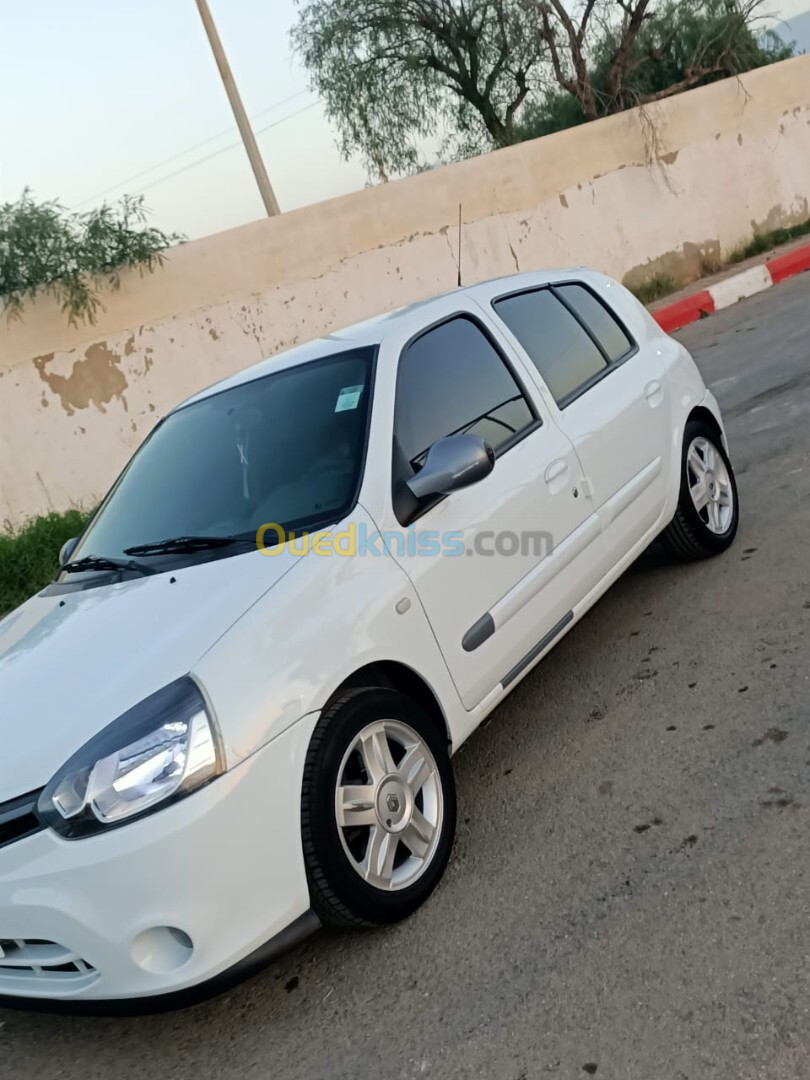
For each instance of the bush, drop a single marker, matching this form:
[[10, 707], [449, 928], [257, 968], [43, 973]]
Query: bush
[[655, 288], [766, 241], [29, 556], [45, 248]]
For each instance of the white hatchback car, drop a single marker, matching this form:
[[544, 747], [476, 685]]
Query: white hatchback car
[[231, 715]]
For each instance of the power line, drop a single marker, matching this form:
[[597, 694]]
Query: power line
[[222, 150], [191, 149]]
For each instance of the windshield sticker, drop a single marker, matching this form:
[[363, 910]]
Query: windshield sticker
[[348, 398]]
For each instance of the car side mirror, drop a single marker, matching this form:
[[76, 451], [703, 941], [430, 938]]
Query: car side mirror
[[67, 550], [452, 463]]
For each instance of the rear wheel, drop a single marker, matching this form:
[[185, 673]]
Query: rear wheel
[[707, 517], [378, 808]]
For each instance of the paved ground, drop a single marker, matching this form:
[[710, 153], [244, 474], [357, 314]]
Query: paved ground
[[630, 893]]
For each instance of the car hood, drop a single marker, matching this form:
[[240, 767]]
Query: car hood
[[70, 664]]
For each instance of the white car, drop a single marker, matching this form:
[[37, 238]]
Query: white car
[[232, 714]]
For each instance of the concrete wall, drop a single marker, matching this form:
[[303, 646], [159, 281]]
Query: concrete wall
[[633, 195]]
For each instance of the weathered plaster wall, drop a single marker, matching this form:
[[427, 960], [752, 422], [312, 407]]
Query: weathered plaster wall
[[723, 162]]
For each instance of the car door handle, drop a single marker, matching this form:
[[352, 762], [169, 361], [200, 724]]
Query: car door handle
[[556, 474], [654, 393]]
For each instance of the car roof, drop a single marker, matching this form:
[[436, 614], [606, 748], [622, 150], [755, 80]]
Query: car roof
[[371, 332]]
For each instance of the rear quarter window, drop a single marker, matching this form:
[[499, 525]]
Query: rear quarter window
[[601, 322]]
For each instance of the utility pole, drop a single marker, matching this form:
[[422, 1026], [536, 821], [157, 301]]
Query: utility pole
[[242, 122]]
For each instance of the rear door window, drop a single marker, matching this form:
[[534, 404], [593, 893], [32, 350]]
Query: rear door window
[[554, 340]]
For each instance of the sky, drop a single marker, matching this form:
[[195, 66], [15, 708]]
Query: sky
[[97, 92]]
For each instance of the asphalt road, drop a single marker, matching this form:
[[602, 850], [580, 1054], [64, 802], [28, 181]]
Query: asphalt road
[[630, 891]]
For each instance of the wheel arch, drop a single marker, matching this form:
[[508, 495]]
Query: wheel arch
[[706, 416], [397, 676]]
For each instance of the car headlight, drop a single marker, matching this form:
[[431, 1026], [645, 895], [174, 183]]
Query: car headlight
[[156, 753]]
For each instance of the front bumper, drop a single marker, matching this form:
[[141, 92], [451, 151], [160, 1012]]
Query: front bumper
[[224, 869]]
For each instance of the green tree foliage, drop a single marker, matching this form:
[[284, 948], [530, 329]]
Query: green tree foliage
[[44, 248], [394, 73], [474, 75], [649, 53]]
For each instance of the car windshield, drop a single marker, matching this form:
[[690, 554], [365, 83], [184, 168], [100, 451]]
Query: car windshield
[[285, 449]]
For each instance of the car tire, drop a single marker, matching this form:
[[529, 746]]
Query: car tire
[[378, 808], [708, 512]]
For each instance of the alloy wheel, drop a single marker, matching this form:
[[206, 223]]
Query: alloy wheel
[[710, 485], [389, 805]]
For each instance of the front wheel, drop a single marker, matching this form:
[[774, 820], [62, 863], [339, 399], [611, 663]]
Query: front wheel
[[378, 808], [708, 515]]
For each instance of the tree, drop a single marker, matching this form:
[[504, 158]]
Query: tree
[[610, 56], [393, 73], [44, 248], [477, 75]]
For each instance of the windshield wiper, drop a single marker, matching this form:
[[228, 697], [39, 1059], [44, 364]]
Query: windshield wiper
[[101, 562], [180, 545]]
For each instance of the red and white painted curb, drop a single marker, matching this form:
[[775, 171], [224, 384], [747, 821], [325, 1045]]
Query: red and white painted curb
[[732, 289]]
